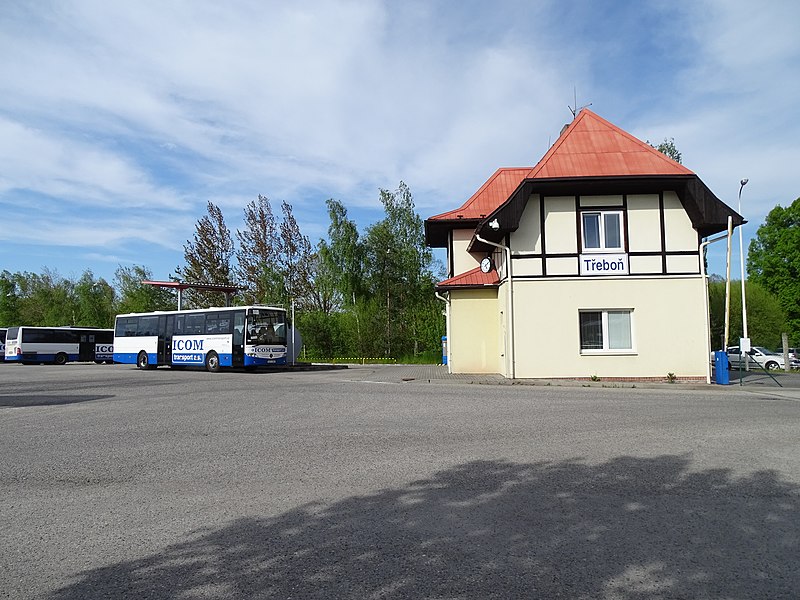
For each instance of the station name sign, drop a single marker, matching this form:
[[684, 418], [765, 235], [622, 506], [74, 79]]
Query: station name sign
[[603, 264]]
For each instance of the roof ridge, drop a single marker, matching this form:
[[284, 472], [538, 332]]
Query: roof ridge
[[552, 150], [612, 129], [643, 145]]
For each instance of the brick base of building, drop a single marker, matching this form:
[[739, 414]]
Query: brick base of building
[[637, 379]]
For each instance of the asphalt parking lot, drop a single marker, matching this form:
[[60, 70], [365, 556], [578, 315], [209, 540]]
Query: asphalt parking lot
[[385, 482]]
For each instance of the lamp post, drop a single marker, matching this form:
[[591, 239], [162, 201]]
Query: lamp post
[[743, 183]]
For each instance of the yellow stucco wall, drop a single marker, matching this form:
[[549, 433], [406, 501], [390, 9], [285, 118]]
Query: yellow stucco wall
[[669, 322], [527, 238], [559, 223], [476, 330], [463, 261], [669, 327], [644, 226], [679, 231]]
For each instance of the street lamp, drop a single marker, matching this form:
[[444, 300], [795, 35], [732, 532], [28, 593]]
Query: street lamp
[[742, 183]]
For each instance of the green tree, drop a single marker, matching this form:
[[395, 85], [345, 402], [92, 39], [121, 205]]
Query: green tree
[[773, 260], [9, 301], [324, 296], [46, 299], [766, 320], [344, 254], [295, 262], [341, 270], [668, 148], [133, 296], [257, 254], [399, 277], [208, 258], [94, 301]]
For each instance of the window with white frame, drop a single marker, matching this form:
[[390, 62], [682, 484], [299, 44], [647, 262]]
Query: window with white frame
[[606, 330], [602, 230]]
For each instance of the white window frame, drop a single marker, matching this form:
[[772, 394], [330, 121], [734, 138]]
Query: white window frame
[[602, 225], [606, 350]]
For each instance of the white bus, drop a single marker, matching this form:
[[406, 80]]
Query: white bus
[[59, 345], [240, 336]]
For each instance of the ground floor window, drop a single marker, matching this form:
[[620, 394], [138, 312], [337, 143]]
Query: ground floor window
[[606, 330]]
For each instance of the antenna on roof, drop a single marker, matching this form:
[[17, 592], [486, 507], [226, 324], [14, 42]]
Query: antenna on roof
[[576, 109]]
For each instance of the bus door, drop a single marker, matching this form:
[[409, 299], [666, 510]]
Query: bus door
[[86, 348], [238, 339], [166, 338], [162, 340]]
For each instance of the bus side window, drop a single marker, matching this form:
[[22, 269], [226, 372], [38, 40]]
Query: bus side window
[[212, 324], [132, 327], [224, 323], [148, 326], [179, 324], [195, 324]]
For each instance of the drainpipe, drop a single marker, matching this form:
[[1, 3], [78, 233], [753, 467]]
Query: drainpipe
[[447, 327], [510, 350], [708, 311]]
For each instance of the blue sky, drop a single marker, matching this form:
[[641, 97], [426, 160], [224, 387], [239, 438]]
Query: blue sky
[[118, 121]]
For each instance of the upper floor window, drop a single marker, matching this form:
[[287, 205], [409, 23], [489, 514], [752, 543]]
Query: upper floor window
[[602, 230]]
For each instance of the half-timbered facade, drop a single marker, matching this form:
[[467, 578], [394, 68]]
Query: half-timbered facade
[[587, 265]]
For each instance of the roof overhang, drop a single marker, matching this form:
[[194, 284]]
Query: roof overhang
[[437, 231], [708, 214]]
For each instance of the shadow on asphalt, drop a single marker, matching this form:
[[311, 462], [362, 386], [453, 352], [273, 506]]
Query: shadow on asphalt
[[630, 528], [47, 400], [759, 378]]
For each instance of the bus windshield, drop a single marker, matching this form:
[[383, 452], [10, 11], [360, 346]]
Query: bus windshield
[[266, 327]]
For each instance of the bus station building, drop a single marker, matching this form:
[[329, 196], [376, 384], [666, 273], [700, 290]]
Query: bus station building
[[587, 265]]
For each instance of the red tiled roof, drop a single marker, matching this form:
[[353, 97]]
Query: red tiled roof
[[473, 278], [590, 147], [492, 194], [593, 147]]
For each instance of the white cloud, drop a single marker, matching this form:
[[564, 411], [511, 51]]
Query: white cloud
[[46, 163], [734, 113], [154, 108]]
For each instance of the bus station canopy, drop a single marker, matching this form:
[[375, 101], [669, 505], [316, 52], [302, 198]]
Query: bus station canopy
[[228, 290]]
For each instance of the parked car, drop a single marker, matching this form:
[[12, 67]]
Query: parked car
[[766, 358], [794, 357]]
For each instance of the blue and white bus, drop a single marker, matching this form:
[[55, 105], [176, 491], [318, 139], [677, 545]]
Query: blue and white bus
[[240, 336], [59, 345]]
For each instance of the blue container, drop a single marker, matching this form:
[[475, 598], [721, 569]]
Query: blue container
[[721, 374], [444, 349]]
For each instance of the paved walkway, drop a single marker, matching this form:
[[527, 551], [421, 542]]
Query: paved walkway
[[755, 383]]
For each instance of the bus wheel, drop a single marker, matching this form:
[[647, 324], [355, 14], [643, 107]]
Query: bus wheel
[[212, 362], [60, 359], [142, 362]]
